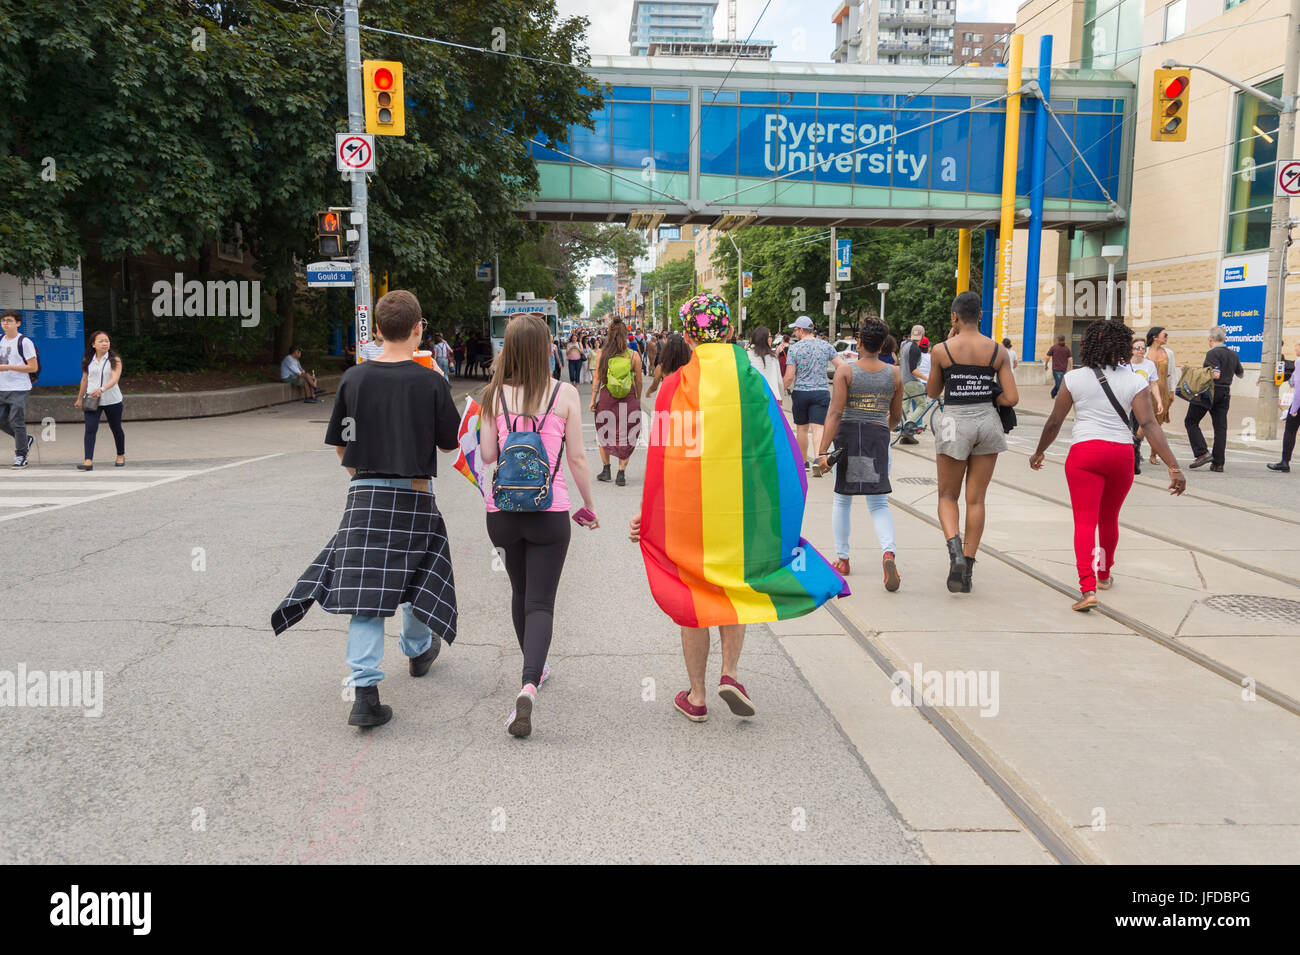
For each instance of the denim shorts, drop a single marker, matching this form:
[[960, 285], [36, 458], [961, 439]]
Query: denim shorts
[[810, 407]]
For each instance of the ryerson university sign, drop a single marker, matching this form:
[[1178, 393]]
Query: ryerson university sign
[[791, 146]]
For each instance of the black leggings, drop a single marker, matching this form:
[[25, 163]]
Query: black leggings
[[114, 414], [534, 546], [1288, 436]]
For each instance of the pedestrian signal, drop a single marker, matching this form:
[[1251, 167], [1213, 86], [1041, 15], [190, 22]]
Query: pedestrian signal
[[384, 100], [329, 234], [1170, 97]]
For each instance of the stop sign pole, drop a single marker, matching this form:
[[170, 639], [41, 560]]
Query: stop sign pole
[[360, 217]]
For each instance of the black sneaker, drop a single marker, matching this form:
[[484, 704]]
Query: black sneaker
[[420, 665], [20, 462], [367, 710], [1282, 466], [604, 474], [620, 480], [30, 441]]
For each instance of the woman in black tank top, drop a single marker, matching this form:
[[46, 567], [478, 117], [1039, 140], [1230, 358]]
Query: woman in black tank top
[[969, 436]]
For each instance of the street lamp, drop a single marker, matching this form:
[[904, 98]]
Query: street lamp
[[1112, 254], [882, 288]]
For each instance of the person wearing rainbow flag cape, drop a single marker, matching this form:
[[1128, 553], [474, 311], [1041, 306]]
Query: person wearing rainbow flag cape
[[722, 508]]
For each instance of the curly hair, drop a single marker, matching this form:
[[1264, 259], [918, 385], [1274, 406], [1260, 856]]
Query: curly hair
[[1106, 344], [872, 334]]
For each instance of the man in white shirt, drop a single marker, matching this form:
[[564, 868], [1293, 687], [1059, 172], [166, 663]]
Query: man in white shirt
[[18, 362], [291, 371], [371, 349]]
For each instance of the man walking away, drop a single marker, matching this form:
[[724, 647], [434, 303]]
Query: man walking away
[[18, 362], [1060, 360], [1227, 366], [805, 379], [909, 359]]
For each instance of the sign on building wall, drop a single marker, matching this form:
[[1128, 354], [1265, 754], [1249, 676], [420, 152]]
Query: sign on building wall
[[1243, 287], [53, 318]]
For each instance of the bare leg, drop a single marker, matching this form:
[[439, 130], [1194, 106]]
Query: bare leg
[[801, 432], [979, 473], [733, 638], [951, 472], [604, 457], [695, 648], [815, 430]]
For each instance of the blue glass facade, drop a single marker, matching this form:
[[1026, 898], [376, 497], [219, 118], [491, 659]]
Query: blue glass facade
[[873, 140]]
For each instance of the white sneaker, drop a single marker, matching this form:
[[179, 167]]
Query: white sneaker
[[20, 461], [521, 717], [546, 675]]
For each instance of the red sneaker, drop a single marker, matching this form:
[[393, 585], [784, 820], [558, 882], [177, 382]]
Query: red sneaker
[[696, 714], [841, 565], [735, 696], [892, 580]]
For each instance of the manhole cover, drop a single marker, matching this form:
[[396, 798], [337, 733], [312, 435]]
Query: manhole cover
[[1256, 608], [918, 480]]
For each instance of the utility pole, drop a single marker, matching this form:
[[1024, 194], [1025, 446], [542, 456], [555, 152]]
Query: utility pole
[[1279, 241], [1266, 411], [359, 217], [834, 294]]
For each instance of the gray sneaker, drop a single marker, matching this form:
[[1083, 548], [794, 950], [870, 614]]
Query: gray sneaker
[[20, 461]]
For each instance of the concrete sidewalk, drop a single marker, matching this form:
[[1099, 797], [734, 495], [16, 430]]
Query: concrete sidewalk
[[1131, 752]]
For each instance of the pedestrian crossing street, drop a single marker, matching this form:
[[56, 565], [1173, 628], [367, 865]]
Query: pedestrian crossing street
[[38, 490]]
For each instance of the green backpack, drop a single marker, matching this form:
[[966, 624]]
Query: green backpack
[[618, 375]]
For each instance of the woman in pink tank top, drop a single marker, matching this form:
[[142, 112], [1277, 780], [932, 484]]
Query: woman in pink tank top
[[533, 544]]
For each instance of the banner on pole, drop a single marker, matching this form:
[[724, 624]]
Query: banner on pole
[[843, 253]]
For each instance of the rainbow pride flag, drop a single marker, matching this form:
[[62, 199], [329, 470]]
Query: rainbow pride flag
[[468, 436], [723, 504]]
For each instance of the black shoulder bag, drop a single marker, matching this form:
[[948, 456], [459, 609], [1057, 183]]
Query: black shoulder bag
[[1005, 412]]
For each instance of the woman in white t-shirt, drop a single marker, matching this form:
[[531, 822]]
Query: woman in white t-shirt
[[101, 370], [1099, 468], [764, 360]]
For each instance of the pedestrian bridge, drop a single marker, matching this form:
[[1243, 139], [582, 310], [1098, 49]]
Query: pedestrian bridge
[[824, 144]]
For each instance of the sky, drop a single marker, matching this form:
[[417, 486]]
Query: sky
[[801, 29]]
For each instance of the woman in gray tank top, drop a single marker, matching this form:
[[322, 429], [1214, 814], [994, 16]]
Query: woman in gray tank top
[[866, 404]]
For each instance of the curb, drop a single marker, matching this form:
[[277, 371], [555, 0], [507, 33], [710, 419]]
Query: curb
[[193, 404]]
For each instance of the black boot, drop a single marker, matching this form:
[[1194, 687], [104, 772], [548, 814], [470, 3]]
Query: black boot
[[621, 480], [956, 564], [604, 474], [367, 710], [420, 665], [966, 574]]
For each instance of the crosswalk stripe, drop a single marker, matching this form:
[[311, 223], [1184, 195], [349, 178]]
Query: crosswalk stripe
[[103, 488], [121, 474]]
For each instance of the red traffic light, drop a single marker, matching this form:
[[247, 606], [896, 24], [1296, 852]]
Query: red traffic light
[[1176, 87], [383, 79]]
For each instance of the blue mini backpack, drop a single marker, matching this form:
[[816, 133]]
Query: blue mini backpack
[[523, 478]]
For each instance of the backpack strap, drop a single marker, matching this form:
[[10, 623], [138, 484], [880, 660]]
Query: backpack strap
[[993, 361], [559, 455], [1105, 386], [505, 409]]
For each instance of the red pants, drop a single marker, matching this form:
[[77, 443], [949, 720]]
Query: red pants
[[1100, 474]]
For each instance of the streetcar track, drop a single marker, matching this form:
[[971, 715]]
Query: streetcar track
[[1156, 535], [1261, 690], [1048, 837]]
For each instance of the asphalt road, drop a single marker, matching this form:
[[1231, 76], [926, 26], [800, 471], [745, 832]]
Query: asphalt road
[[220, 742]]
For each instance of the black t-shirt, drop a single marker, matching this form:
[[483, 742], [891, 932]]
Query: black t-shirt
[[391, 417], [1225, 359]]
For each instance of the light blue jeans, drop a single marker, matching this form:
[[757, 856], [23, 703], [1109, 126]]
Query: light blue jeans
[[881, 517], [366, 634]]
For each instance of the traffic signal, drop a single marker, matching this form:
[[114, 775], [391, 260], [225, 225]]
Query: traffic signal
[[329, 234], [385, 101], [1169, 101]]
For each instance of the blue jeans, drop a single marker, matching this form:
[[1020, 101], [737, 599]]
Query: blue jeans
[[366, 633], [881, 517], [1058, 377]]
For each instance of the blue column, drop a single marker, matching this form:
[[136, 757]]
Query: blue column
[[1037, 164], [989, 276]]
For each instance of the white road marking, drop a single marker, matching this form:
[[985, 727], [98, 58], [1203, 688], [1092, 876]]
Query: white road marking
[[105, 487]]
